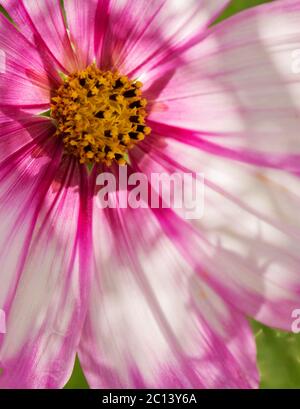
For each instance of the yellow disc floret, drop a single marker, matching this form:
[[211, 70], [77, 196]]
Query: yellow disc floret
[[99, 115]]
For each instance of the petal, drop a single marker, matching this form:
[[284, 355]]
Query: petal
[[26, 75], [238, 89], [152, 323], [42, 22], [18, 129], [84, 19], [44, 278], [247, 243], [134, 34]]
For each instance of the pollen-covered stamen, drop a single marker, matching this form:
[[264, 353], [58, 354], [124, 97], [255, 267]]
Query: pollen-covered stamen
[[99, 115]]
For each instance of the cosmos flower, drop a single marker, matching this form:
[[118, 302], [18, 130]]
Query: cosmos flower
[[145, 297]]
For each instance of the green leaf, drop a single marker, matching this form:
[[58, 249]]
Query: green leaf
[[239, 5], [278, 357], [77, 380]]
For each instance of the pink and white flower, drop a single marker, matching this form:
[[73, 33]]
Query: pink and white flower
[[146, 298]]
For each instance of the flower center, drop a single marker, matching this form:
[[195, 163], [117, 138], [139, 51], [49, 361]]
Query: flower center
[[99, 115]]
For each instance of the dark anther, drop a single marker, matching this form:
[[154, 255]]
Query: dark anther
[[82, 82], [89, 94], [107, 134], [87, 148], [118, 84], [118, 156], [107, 149], [120, 136], [134, 118], [130, 93], [113, 97], [100, 115], [98, 84], [140, 128], [133, 135], [135, 104]]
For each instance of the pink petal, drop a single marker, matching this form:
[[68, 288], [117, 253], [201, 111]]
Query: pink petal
[[18, 129], [42, 22], [238, 89], [44, 277], [133, 35], [26, 75], [152, 322], [84, 18], [246, 244]]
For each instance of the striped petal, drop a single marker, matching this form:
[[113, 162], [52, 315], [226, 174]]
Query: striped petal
[[246, 244], [152, 322], [44, 273], [239, 89], [84, 20], [18, 129], [42, 22], [133, 35], [26, 74]]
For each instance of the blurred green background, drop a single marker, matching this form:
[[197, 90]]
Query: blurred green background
[[278, 352]]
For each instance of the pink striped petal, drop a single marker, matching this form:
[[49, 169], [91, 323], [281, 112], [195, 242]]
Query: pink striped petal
[[44, 276], [26, 74], [84, 19], [42, 22], [239, 89], [133, 35], [246, 245], [152, 322], [18, 129]]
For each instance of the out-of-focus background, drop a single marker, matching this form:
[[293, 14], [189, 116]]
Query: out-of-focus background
[[278, 352]]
